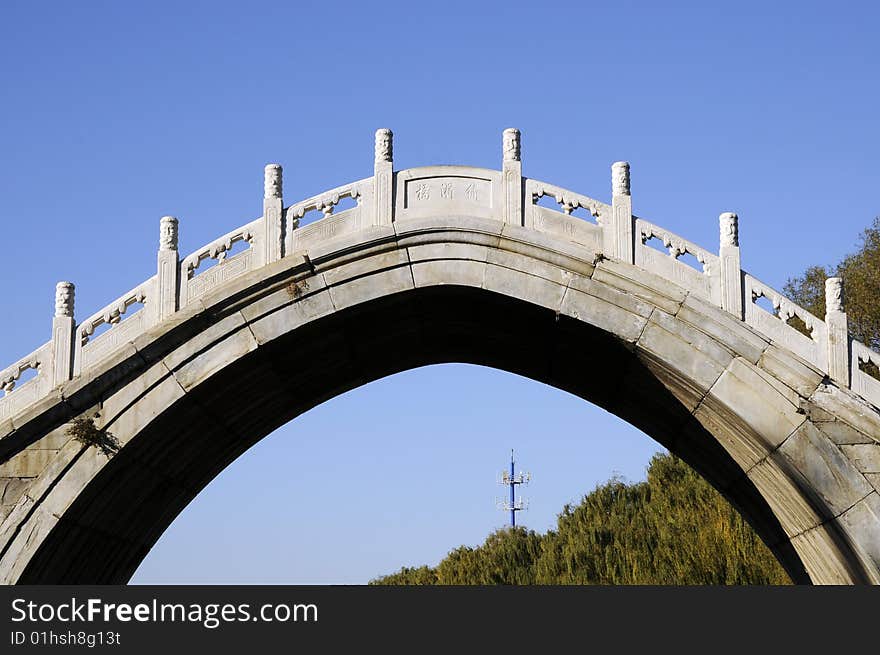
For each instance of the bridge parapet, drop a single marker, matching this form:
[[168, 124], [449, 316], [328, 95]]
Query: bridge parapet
[[812, 348], [705, 283], [391, 196], [195, 284], [301, 236]]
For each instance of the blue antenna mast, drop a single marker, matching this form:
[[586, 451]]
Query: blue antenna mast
[[511, 479]]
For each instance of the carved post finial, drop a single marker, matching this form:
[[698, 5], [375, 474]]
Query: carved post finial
[[272, 181], [834, 295], [384, 145], [729, 229], [511, 144], [64, 295], [620, 178], [168, 233]]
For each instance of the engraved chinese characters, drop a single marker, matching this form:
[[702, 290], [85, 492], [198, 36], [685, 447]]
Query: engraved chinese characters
[[448, 190]]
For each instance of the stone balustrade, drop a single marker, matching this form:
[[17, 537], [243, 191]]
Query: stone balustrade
[[391, 196]]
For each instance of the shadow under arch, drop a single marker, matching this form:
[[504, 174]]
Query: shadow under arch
[[118, 516]]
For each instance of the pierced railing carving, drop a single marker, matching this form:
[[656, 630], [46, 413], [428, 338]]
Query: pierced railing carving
[[219, 248], [195, 284], [706, 282], [329, 225], [112, 314], [776, 325], [10, 377], [127, 317], [324, 203], [864, 384], [562, 222], [567, 200], [17, 394]]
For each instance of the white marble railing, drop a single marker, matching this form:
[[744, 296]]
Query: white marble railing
[[705, 283], [865, 385], [561, 222], [329, 225], [775, 325], [390, 196], [125, 321], [18, 395], [195, 284]]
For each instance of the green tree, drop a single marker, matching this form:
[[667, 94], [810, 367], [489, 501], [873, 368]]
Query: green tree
[[671, 529], [861, 279]]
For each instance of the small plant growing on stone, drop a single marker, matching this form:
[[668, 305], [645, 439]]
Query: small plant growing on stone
[[87, 433]]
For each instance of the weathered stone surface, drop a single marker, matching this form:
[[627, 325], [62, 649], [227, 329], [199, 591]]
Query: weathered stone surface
[[540, 247], [825, 469], [456, 271], [761, 405], [822, 553], [665, 295], [27, 464], [723, 327], [290, 316], [518, 262], [606, 308], [841, 433], [862, 524], [866, 457], [790, 369], [531, 288], [210, 360], [846, 407], [447, 251], [791, 506], [11, 489], [367, 287], [741, 441], [697, 356]]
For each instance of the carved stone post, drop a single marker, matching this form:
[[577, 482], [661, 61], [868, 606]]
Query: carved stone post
[[731, 270], [838, 332], [511, 177], [63, 330], [618, 233], [168, 269], [384, 177], [273, 208]]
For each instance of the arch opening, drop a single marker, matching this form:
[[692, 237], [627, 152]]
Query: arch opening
[[118, 516]]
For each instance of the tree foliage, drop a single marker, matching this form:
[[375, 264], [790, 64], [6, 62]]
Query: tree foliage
[[672, 529], [861, 280]]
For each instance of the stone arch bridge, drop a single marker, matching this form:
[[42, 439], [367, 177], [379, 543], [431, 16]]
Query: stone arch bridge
[[429, 265]]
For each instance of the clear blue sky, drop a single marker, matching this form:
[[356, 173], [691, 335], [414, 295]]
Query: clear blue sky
[[114, 114]]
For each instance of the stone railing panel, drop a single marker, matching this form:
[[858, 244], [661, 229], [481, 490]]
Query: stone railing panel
[[194, 284], [706, 283], [562, 223], [862, 383], [811, 348], [330, 225], [452, 190], [90, 349], [14, 394]]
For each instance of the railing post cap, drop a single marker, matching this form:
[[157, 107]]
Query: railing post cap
[[729, 223], [620, 178], [272, 181], [834, 297], [511, 144], [64, 299], [168, 233], [384, 145]]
